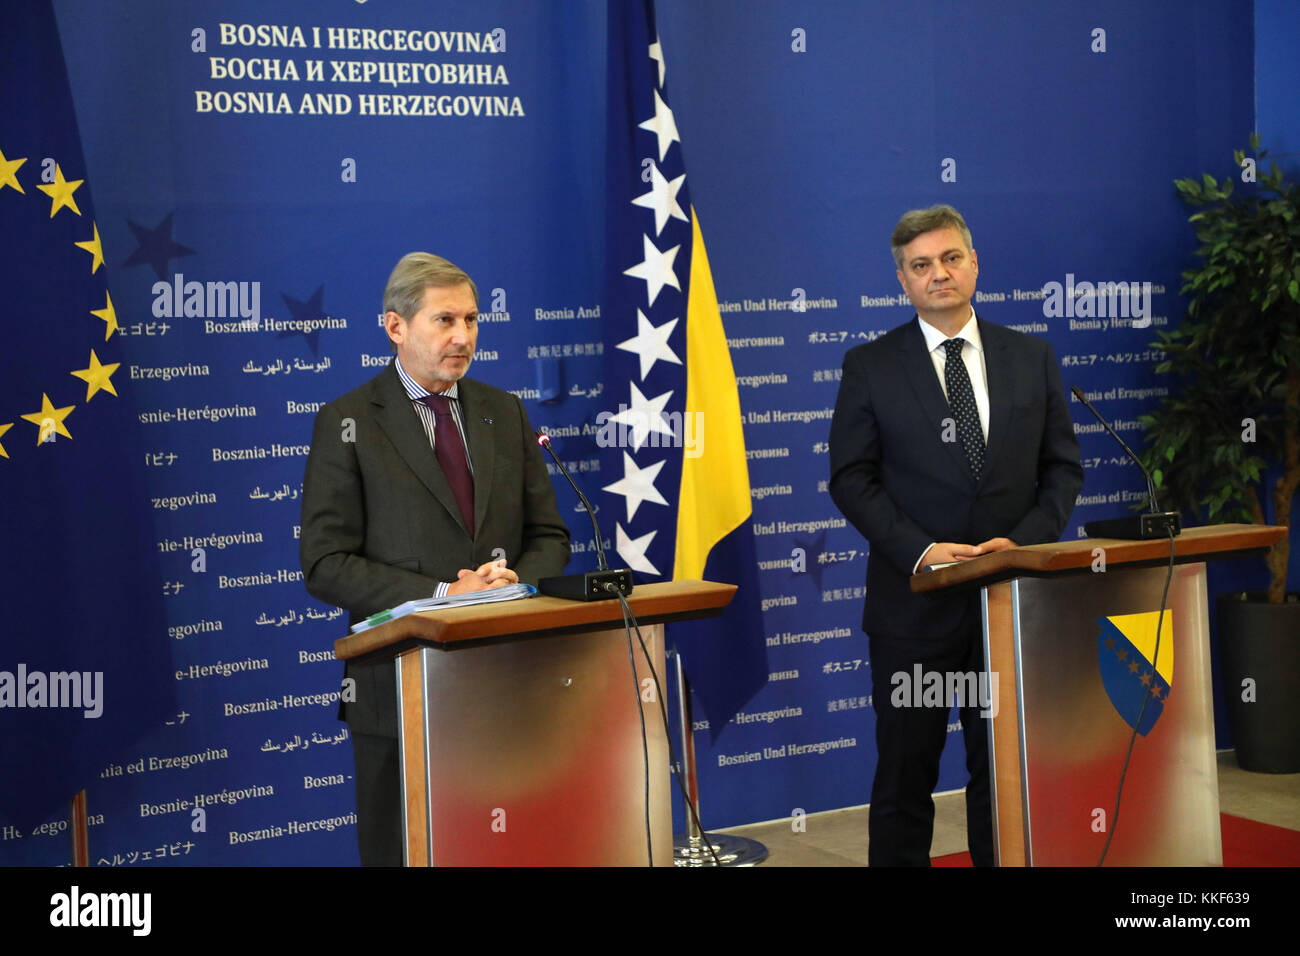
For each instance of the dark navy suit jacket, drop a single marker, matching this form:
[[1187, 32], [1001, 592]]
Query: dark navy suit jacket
[[903, 487]]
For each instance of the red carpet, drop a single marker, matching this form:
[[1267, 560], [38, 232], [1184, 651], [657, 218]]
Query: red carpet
[[1245, 843]]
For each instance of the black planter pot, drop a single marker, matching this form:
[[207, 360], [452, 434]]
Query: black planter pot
[[1261, 641]]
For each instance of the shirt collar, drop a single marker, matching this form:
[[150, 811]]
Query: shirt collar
[[415, 391], [970, 332]]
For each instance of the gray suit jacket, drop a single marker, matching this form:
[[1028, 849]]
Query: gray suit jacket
[[380, 524]]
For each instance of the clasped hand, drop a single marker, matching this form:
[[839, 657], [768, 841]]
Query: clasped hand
[[494, 574]]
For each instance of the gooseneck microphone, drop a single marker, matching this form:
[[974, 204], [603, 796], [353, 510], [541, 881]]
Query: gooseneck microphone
[[589, 585], [1155, 523]]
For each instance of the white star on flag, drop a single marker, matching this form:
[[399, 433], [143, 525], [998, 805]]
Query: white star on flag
[[637, 485], [656, 268], [657, 54], [651, 344], [645, 416], [632, 550], [662, 125], [662, 198]]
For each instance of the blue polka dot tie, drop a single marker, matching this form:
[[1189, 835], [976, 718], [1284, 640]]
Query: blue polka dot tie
[[961, 400]]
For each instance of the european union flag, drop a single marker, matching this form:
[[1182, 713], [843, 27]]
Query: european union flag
[[83, 661], [680, 467]]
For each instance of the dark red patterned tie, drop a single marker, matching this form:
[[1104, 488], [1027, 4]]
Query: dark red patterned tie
[[450, 450]]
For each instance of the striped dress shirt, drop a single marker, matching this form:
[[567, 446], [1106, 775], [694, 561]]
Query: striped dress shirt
[[415, 391]]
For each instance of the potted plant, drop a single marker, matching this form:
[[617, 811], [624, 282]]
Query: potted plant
[[1225, 443]]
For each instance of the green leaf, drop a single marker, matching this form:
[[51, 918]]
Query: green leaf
[[1236, 348]]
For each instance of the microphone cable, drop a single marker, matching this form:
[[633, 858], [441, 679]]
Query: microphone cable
[[645, 746], [663, 713], [1155, 667]]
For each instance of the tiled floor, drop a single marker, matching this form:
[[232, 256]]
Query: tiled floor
[[839, 837]]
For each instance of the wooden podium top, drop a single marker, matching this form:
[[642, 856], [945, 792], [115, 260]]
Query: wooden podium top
[[1038, 560], [536, 616]]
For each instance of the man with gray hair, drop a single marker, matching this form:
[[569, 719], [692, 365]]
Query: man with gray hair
[[951, 438], [420, 483]]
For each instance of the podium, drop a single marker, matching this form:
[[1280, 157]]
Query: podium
[[1069, 635], [520, 728]]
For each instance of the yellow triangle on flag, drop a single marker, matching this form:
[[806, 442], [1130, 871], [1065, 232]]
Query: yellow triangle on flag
[[1140, 629], [714, 496]]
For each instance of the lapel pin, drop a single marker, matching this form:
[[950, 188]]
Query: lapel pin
[[487, 421]]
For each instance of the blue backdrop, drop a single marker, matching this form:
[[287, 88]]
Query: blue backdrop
[[1056, 129]]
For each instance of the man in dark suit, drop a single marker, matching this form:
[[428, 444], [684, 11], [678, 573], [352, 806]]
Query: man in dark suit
[[419, 483], [951, 438]]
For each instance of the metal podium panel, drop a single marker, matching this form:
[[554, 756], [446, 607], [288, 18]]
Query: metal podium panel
[[1083, 649], [533, 754]]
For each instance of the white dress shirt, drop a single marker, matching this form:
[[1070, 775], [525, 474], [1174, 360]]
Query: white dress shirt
[[972, 353]]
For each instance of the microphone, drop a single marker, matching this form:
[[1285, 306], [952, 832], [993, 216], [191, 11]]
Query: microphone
[[588, 585], [1154, 524]]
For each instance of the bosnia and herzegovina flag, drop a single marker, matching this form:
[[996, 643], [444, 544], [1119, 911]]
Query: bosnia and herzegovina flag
[[84, 662], [1126, 657], [679, 482]]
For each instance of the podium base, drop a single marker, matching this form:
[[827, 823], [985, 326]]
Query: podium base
[[731, 851]]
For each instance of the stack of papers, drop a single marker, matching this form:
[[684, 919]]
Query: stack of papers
[[507, 592]]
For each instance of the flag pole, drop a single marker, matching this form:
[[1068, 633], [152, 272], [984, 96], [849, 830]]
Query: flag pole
[[690, 849], [79, 829]]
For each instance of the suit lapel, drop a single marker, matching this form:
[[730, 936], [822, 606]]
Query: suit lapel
[[480, 434], [925, 383], [398, 420], [999, 369]]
